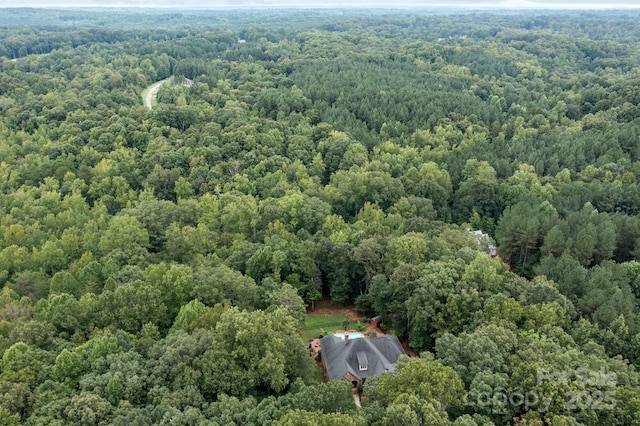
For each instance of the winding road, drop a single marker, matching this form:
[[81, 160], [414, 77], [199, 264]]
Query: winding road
[[148, 100]]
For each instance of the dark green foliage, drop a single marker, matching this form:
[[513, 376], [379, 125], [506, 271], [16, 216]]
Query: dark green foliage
[[156, 266]]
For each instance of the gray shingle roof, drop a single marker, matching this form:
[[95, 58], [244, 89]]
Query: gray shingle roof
[[362, 359], [380, 353]]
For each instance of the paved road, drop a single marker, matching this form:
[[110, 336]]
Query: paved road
[[152, 91]]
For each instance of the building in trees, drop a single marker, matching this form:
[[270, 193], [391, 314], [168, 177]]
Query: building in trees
[[375, 321], [486, 243], [353, 357]]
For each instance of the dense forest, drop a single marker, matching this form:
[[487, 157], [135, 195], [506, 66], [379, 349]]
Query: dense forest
[[157, 265]]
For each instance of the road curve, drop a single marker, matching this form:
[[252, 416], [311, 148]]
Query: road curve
[[152, 91]]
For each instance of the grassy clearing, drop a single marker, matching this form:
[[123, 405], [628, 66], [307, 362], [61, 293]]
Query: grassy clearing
[[316, 325]]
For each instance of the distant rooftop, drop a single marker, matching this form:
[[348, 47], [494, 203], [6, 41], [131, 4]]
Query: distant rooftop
[[486, 242]]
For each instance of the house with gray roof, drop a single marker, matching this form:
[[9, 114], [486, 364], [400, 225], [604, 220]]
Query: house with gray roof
[[355, 357]]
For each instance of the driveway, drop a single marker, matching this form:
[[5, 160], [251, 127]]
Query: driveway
[[152, 91]]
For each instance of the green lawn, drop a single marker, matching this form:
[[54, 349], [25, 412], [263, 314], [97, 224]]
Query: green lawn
[[316, 325]]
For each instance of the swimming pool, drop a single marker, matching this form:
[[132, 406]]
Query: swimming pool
[[352, 335]]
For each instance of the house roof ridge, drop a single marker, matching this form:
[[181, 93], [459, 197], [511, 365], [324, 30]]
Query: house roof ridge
[[382, 357], [339, 358]]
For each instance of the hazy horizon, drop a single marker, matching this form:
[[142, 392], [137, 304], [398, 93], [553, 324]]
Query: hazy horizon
[[337, 4]]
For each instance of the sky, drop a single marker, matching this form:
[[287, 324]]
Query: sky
[[213, 4]]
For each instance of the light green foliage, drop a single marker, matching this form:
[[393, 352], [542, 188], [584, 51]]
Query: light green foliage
[[37, 333], [369, 254], [238, 214], [62, 310], [64, 282], [223, 284], [426, 387], [188, 315], [470, 355], [22, 363], [16, 400], [485, 273], [7, 296], [117, 377], [410, 248], [478, 191], [521, 230], [175, 364], [411, 410], [310, 418], [431, 182], [88, 409], [125, 240], [253, 350], [131, 306], [525, 182], [69, 366], [287, 297], [298, 158], [174, 281], [9, 419]]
